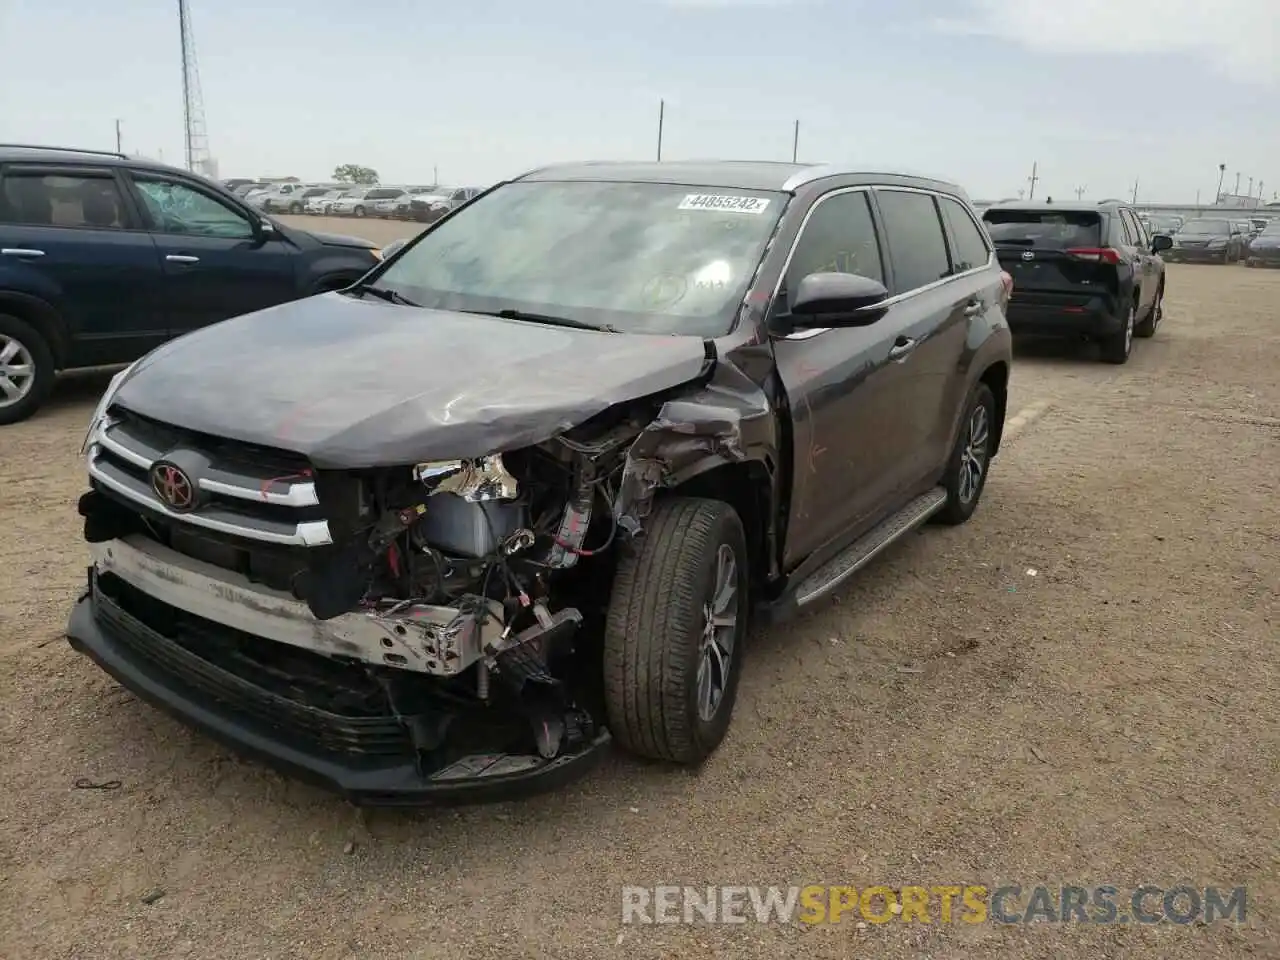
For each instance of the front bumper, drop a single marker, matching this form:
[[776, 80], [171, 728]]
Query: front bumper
[[236, 712], [1263, 257], [1050, 315], [1196, 255]]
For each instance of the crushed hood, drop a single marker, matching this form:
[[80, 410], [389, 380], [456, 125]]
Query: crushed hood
[[360, 383]]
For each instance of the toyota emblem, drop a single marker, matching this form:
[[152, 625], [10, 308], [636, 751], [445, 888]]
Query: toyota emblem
[[173, 486], [1028, 255]]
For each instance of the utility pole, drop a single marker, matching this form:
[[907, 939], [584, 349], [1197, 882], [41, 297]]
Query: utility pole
[[1255, 206], [1251, 186], [662, 115], [118, 148], [1236, 191], [435, 175], [1080, 193], [1135, 191], [795, 143], [1222, 172], [1033, 180]]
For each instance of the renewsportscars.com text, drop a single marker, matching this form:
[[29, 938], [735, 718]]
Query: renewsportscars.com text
[[946, 903]]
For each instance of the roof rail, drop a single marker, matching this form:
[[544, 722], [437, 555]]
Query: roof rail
[[816, 171], [38, 146]]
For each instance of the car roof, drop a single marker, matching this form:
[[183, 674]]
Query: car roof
[[22, 152], [735, 174]]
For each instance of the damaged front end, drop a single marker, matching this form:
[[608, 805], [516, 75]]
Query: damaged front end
[[402, 634]]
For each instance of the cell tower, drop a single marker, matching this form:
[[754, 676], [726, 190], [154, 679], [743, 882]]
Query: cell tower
[[198, 159]]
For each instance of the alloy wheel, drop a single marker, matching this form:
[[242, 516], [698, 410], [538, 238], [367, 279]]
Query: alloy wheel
[[973, 456], [17, 371], [720, 626]]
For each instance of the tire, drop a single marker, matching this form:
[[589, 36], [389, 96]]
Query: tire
[[970, 460], [22, 347], [1116, 349], [658, 643], [358, 211], [266, 206], [1151, 322], [295, 208]]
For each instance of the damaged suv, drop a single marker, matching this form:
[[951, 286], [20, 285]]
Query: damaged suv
[[446, 533]]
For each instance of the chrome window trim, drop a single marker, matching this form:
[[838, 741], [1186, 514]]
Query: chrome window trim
[[896, 298]]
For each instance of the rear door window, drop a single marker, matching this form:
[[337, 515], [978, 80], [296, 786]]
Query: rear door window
[[913, 231], [971, 249], [1044, 229], [63, 200]]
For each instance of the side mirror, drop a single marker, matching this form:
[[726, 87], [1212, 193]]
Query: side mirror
[[838, 300], [1161, 241]]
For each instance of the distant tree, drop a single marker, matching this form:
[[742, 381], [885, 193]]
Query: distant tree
[[354, 173]]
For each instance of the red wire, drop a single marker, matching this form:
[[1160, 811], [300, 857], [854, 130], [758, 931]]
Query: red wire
[[266, 484]]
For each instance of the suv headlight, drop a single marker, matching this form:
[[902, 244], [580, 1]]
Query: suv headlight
[[100, 411]]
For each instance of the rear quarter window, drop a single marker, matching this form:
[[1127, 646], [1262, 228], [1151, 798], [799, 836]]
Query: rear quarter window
[[1045, 229]]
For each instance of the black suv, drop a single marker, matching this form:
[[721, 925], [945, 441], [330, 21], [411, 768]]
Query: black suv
[[1081, 270], [103, 257], [446, 533]]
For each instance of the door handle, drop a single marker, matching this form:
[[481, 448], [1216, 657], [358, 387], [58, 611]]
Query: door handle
[[902, 348], [181, 258], [21, 252], [974, 307]]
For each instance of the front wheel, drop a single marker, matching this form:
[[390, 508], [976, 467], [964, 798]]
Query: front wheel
[[966, 474], [295, 208], [358, 211], [674, 631]]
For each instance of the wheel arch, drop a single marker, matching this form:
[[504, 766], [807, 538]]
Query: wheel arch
[[996, 377], [44, 317], [747, 487]]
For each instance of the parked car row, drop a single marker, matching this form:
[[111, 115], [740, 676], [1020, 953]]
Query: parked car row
[[424, 204]]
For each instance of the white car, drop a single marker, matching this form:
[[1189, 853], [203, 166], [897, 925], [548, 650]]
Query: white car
[[386, 199], [322, 205], [360, 201]]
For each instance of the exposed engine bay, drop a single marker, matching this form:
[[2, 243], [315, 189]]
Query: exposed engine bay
[[451, 589]]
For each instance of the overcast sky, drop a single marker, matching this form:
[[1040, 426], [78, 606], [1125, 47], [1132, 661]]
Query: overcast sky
[[1099, 92]]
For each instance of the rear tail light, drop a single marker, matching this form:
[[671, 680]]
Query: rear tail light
[[1098, 254]]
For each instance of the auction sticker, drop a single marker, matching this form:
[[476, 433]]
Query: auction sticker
[[724, 203]]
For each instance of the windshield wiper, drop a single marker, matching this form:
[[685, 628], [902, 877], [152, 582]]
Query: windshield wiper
[[387, 294], [547, 318]]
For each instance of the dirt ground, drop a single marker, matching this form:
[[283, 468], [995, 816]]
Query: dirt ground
[[952, 718]]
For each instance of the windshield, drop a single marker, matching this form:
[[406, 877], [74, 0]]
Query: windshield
[[1206, 227], [1163, 225], [1045, 228], [384, 194], [355, 194], [1271, 230], [640, 257]]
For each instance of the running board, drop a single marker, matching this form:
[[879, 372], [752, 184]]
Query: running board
[[843, 565]]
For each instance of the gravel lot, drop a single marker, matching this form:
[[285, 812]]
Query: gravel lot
[[951, 719]]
